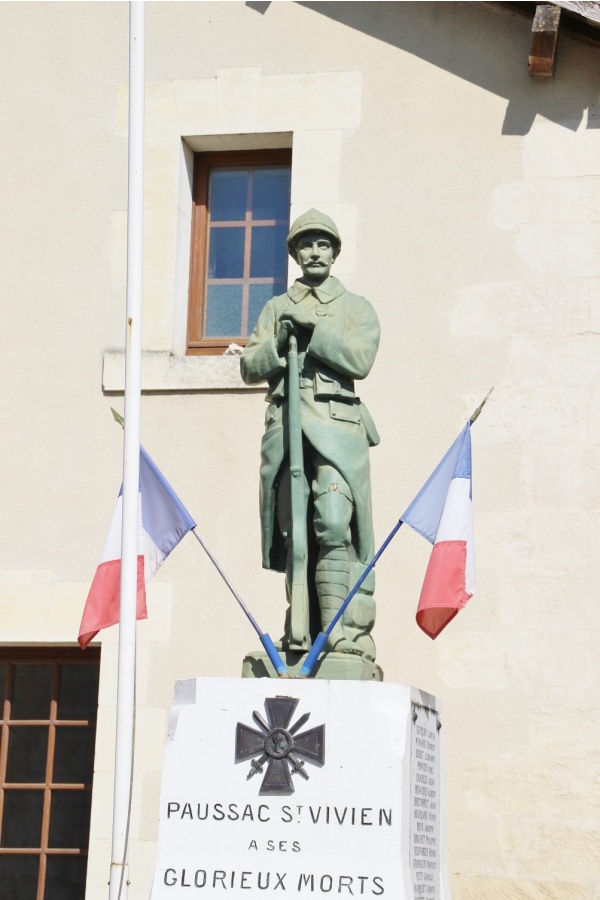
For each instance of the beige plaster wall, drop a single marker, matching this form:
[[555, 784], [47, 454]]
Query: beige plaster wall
[[469, 197]]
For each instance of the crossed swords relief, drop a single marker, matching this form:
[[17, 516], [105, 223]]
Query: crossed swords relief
[[278, 745]]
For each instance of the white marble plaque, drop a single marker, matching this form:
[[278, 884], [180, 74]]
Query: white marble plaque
[[281, 788]]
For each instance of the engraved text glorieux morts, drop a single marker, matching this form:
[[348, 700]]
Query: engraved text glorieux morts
[[312, 789]]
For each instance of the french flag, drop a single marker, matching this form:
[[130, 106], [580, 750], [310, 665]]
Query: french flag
[[163, 521], [442, 513]]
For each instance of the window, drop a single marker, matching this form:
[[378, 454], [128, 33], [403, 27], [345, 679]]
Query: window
[[239, 258], [48, 703]]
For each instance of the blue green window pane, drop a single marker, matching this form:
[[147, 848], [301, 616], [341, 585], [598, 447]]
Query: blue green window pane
[[78, 692], [70, 820], [223, 316], [226, 253], [32, 691], [271, 194], [74, 755], [27, 749], [65, 877], [227, 193], [19, 876], [268, 254], [22, 819], [259, 294]]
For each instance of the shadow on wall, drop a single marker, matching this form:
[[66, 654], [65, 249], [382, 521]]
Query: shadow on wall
[[487, 46]]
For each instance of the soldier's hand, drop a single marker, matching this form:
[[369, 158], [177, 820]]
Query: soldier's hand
[[301, 318], [283, 335]]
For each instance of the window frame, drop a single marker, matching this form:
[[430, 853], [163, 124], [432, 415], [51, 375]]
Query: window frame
[[54, 656], [197, 345]]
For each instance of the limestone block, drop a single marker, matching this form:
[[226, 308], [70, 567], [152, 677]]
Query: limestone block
[[593, 433], [554, 362], [576, 737], [560, 477], [26, 608], [150, 730], [186, 177], [554, 847], [157, 627], [122, 110], [118, 245], [144, 853], [141, 854], [162, 371], [295, 102], [104, 756], [473, 841], [542, 658], [560, 251], [538, 413], [473, 734], [594, 285], [472, 659], [530, 542], [316, 169], [109, 672], [545, 201], [538, 601], [237, 99], [159, 243], [67, 600], [554, 787], [231, 140], [539, 307], [161, 171], [157, 317], [102, 793], [161, 112], [98, 869], [552, 151], [479, 887], [196, 103], [150, 798], [10, 577]]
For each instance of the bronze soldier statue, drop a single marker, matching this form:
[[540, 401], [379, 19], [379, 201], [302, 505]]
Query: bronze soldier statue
[[310, 345]]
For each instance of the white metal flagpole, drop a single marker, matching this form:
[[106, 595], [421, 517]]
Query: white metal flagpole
[[119, 869]]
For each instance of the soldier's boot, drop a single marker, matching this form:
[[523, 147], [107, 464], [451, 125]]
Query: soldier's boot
[[333, 579]]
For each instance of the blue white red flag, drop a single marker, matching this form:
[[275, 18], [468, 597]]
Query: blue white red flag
[[442, 513], [163, 521]]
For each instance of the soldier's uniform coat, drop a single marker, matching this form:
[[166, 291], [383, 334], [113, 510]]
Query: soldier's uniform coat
[[340, 349]]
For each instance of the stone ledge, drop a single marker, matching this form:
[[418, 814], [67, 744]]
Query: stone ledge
[[163, 371]]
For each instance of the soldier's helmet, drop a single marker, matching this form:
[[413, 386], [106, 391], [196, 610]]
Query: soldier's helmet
[[313, 220]]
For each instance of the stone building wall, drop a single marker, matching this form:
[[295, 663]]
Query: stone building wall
[[467, 195]]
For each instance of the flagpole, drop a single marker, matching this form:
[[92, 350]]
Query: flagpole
[[119, 869], [265, 639], [321, 639]]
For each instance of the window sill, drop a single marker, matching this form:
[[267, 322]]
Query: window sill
[[162, 371]]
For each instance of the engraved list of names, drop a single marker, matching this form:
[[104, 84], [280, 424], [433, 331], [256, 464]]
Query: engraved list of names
[[424, 804]]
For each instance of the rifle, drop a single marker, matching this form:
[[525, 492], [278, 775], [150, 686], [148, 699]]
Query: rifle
[[299, 636]]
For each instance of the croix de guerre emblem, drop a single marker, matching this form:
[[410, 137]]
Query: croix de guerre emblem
[[279, 745]]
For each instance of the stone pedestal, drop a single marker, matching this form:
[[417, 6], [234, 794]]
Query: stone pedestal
[[331, 666], [276, 788]]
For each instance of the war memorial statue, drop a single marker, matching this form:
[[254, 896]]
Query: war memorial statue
[[311, 345], [370, 759]]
